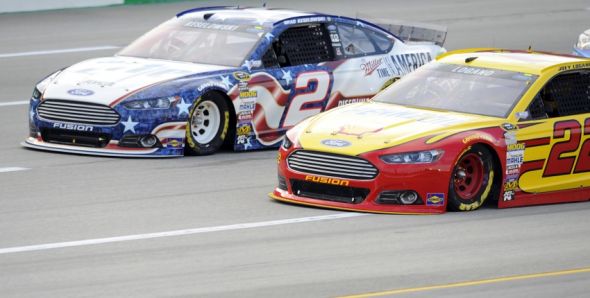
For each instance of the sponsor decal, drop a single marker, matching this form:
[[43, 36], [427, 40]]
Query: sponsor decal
[[473, 71], [306, 20], [352, 100], [511, 185], [214, 26], [477, 137], [248, 94], [435, 199], [242, 76], [575, 66], [334, 37], [174, 143], [244, 130], [247, 107], [209, 85], [405, 63], [244, 141], [335, 143], [326, 180], [508, 196], [371, 66], [515, 158], [510, 138], [515, 147], [98, 83], [245, 116], [71, 126], [80, 92]]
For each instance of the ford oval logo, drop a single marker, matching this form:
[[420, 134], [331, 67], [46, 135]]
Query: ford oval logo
[[81, 92], [335, 143]]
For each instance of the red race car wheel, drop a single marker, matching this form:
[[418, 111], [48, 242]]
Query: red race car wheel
[[472, 179]]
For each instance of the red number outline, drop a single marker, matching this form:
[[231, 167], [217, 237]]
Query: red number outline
[[557, 165]]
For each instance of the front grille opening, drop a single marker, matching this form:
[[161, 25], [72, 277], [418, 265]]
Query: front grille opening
[[76, 138], [333, 165], [342, 194], [77, 112]]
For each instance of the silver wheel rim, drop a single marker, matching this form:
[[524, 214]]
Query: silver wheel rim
[[205, 122]]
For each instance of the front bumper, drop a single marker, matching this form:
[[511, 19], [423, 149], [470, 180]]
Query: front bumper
[[429, 181], [121, 139], [112, 149]]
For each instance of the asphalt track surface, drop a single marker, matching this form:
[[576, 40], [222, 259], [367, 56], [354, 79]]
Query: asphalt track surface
[[78, 226]]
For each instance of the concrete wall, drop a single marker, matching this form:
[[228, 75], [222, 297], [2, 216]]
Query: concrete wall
[[32, 5]]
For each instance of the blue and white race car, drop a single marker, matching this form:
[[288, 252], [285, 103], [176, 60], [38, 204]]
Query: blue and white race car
[[221, 75], [582, 47]]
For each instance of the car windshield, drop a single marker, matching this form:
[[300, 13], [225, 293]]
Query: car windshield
[[459, 88], [198, 41]]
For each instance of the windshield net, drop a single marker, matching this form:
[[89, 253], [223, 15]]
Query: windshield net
[[459, 88], [196, 41]]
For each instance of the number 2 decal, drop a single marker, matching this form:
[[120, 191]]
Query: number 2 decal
[[307, 102], [557, 164]]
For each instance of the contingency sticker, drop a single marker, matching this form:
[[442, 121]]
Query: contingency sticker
[[435, 199], [514, 159]]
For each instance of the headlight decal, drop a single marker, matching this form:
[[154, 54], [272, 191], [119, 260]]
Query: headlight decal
[[154, 103], [426, 156]]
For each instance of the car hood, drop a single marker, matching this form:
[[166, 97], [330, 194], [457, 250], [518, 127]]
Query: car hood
[[364, 127], [104, 80]]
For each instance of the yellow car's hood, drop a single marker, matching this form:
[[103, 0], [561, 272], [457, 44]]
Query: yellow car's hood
[[364, 127]]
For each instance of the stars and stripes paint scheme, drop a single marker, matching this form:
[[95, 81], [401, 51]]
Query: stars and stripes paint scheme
[[510, 128], [141, 103]]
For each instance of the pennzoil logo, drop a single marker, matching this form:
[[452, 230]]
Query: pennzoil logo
[[326, 180]]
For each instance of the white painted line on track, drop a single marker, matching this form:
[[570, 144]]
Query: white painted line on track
[[58, 51], [233, 227], [14, 103], [12, 169]]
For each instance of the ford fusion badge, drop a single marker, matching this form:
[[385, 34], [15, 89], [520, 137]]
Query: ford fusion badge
[[81, 92], [335, 143]]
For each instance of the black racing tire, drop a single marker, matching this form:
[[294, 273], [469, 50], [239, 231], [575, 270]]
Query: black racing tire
[[472, 179], [207, 125]]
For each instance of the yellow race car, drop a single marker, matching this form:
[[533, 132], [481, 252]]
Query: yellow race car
[[474, 125]]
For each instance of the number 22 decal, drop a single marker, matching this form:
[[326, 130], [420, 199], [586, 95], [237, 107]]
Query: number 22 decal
[[556, 164], [307, 102]]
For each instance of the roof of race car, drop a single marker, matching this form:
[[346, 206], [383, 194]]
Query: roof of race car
[[513, 60], [245, 16]]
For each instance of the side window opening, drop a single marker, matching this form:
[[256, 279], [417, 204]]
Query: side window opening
[[566, 94], [309, 44], [357, 41]]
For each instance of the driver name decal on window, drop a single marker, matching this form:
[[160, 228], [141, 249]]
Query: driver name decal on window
[[202, 25]]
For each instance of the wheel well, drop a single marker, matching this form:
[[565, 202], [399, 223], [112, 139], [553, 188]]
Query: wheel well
[[231, 133], [497, 169]]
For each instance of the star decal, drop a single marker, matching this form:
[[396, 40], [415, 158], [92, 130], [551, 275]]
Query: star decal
[[269, 36], [248, 64], [287, 76], [32, 115], [248, 144], [225, 81], [360, 24], [129, 125], [182, 107]]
